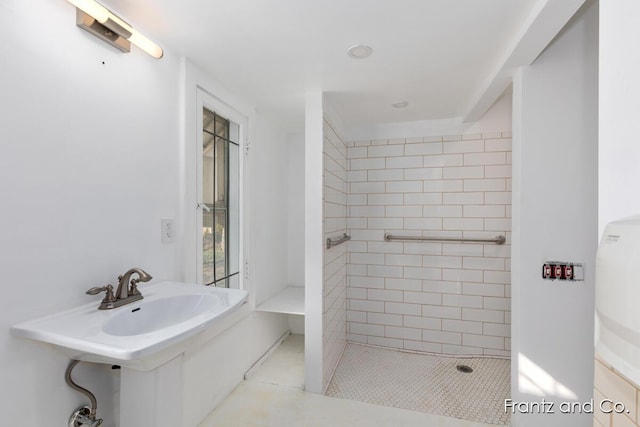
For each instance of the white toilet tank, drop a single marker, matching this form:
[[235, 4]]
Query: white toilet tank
[[617, 300]]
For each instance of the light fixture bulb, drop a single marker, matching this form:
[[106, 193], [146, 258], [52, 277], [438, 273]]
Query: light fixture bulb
[[93, 9], [145, 44]]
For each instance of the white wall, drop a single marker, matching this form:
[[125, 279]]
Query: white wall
[[295, 209], [313, 243], [89, 164], [269, 216], [555, 150], [88, 169], [619, 105]]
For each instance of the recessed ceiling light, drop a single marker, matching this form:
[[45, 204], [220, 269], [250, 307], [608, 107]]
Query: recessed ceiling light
[[359, 51], [402, 104]]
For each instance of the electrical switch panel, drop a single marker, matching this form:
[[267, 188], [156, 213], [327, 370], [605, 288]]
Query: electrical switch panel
[[558, 270], [167, 230]]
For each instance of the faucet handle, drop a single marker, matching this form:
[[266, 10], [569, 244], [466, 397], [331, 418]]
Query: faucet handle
[[108, 289], [133, 289], [98, 289]]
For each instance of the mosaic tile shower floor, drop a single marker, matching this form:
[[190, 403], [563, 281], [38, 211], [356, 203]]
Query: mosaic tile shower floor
[[424, 383]]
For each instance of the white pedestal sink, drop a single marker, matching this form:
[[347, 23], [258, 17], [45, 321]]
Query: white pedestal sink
[[146, 338]]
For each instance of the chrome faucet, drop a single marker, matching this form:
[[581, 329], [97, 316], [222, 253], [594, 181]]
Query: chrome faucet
[[126, 293], [123, 291]]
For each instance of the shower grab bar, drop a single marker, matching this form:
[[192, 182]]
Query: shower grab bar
[[498, 240], [332, 243]]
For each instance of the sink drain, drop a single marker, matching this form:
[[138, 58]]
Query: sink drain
[[464, 368]]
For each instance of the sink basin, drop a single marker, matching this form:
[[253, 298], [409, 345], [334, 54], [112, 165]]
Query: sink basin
[[140, 335], [159, 314]]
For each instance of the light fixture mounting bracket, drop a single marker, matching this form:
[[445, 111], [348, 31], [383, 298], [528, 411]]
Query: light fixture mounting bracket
[[90, 24]]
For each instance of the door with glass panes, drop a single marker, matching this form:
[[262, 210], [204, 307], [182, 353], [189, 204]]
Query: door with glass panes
[[219, 201]]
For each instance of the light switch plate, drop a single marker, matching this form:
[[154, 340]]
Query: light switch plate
[[167, 230]]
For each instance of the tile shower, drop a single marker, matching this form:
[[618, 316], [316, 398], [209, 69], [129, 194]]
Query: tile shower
[[445, 298], [441, 298]]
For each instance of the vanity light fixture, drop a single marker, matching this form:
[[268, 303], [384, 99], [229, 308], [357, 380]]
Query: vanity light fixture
[[101, 22]]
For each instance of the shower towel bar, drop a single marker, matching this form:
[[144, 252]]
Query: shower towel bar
[[498, 240], [332, 243]]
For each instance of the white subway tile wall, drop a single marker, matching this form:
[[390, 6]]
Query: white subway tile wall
[[335, 201], [451, 298]]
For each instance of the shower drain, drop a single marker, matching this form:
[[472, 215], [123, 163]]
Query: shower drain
[[464, 368]]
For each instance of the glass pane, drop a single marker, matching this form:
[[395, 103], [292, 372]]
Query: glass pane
[[220, 242], [215, 124], [220, 172], [208, 121], [208, 168], [222, 127], [207, 247]]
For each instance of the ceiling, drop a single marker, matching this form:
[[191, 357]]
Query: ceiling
[[438, 55]]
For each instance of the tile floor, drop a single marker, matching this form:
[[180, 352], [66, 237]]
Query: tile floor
[[273, 397], [424, 383]]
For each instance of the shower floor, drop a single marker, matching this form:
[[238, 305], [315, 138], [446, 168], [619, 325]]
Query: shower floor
[[424, 383]]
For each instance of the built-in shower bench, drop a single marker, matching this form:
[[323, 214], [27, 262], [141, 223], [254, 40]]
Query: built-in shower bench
[[290, 300]]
